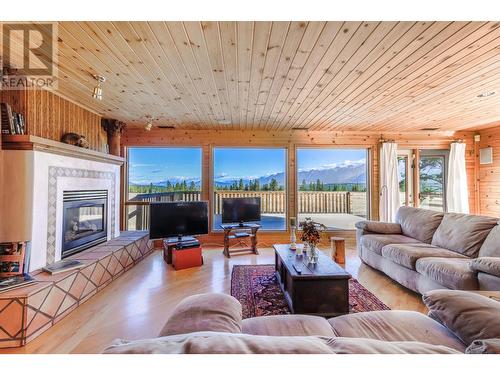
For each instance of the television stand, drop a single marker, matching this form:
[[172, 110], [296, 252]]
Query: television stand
[[232, 231]]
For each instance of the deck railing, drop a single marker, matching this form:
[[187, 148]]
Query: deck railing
[[272, 202]]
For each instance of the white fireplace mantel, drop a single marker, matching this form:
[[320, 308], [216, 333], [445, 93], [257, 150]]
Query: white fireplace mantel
[[34, 181]]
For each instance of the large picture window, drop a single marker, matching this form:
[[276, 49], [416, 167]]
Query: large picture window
[[251, 172], [332, 186], [160, 174]]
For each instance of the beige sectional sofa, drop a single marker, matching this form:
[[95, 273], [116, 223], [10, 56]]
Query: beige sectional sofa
[[458, 322], [426, 250]]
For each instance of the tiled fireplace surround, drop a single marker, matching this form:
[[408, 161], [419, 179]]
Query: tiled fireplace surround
[[27, 312]]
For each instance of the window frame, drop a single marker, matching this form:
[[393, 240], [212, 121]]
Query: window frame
[[369, 174], [212, 183], [445, 154], [126, 170]]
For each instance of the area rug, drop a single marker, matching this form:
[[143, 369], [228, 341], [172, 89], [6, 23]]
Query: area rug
[[259, 293]]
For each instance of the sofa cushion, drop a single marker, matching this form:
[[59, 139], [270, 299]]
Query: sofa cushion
[[378, 227], [205, 312], [491, 245], [407, 255], [489, 346], [418, 223], [463, 233], [394, 325], [227, 343], [453, 273], [470, 316], [375, 242], [222, 343], [287, 325], [349, 345], [489, 265]]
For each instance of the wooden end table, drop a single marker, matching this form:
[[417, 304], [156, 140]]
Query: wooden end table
[[321, 289], [338, 249]]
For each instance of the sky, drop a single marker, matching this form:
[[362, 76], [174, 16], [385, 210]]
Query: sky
[[322, 158], [158, 164], [248, 163]]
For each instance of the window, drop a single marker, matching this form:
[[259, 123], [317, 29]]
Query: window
[[432, 177], [332, 186], [251, 172], [160, 174], [405, 177]]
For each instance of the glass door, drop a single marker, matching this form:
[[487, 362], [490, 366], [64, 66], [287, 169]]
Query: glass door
[[432, 179], [405, 177]]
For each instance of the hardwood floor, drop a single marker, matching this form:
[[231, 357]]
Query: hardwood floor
[[137, 304]]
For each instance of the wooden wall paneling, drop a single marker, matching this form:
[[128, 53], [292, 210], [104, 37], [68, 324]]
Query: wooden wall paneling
[[489, 174], [49, 116], [291, 139]]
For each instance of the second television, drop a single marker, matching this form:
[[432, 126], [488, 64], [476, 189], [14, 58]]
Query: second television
[[240, 210]]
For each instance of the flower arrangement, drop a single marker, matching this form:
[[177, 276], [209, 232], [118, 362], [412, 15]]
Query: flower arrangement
[[311, 231]]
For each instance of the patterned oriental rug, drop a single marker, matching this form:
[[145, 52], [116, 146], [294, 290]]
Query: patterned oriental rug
[[257, 289]]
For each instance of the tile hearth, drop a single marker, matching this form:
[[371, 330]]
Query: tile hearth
[[27, 312]]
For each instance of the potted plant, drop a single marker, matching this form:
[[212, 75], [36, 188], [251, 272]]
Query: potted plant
[[311, 235]]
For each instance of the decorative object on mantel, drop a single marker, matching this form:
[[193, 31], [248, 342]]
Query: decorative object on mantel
[[293, 237], [114, 130], [311, 234], [63, 266], [75, 140]]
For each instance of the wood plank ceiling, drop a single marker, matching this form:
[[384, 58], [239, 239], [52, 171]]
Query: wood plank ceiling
[[383, 76]]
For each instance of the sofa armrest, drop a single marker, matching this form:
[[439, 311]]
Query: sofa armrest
[[489, 265], [213, 312], [378, 227], [470, 316]]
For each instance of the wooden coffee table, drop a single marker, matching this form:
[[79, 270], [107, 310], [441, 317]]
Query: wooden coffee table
[[321, 289]]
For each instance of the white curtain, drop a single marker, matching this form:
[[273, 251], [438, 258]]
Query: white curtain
[[457, 197], [389, 185]]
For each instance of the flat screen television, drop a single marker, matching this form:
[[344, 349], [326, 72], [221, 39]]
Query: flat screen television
[[177, 219], [240, 210]]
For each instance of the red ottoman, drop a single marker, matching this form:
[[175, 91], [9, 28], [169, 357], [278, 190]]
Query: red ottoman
[[187, 258]]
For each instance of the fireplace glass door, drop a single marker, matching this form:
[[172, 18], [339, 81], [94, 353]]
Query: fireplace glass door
[[84, 221]]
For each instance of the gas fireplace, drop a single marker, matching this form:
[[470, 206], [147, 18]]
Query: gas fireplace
[[84, 220]]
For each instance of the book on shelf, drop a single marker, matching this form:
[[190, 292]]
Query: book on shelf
[[63, 266], [12, 122], [17, 281]]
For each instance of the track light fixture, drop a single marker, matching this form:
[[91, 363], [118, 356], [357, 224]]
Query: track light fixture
[[97, 94], [149, 123]]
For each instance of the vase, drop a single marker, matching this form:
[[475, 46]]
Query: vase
[[313, 254], [293, 238]]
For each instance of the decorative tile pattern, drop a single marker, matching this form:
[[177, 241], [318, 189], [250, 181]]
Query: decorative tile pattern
[[23, 319], [54, 174]]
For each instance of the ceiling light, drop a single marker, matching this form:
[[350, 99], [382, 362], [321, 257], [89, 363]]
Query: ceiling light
[[149, 123], [486, 94], [97, 94]]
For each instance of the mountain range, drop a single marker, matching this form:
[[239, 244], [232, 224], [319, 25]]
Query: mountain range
[[338, 174]]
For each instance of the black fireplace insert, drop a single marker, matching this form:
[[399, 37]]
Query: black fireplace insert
[[84, 220]]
